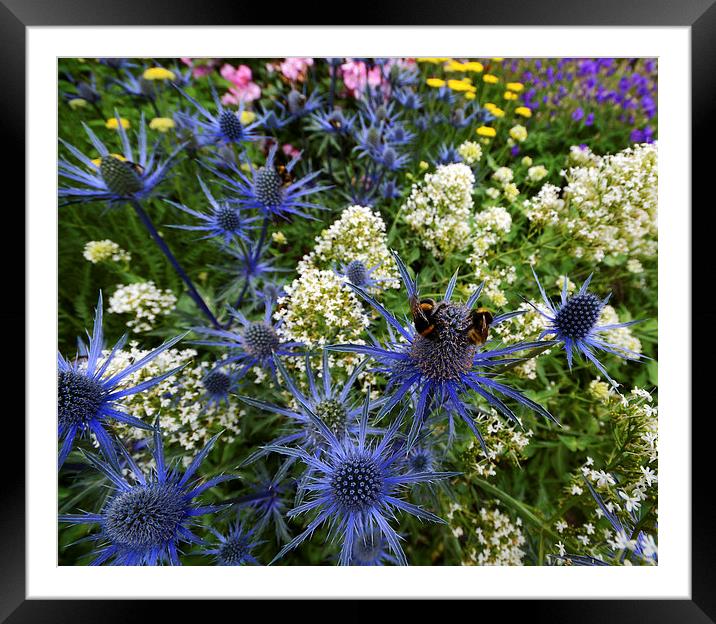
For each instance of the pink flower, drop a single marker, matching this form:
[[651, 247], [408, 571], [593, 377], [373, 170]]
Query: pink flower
[[294, 68], [357, 77], [199, 71], [235, 95], [290, 150], [243, 89]]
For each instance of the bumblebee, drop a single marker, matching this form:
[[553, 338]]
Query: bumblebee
[[424, 311], [286, 176], [480, 320], [134, 167], [424, 318]]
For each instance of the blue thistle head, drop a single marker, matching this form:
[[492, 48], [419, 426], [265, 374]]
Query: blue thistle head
[[332, 404], [355, 486], [224, 220], [435, 370], [221, 127], [575, 322], [131, 175], [269, 192], [255, 343], [89, 399], [235, 548], [357, 273], [145, 519]]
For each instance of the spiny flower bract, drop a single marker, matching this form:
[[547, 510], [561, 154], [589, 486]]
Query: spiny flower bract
[[145, 520], [355, 486], [574, 322], [88, 399], [439, 370], [131, 175]]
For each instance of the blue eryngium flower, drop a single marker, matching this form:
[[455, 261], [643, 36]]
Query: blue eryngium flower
[[255, 344], [87, 398], [355, 485], [371, 549], [234, 548], [221, 127], [268, 192], [114, 179], [223, 221], [574, 322], [333, 405], [358, 274], [144, 520], [437, 370]]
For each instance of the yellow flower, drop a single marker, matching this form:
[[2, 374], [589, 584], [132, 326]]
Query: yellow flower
[[435, 82], [112, 124], [98, 161], [473, 66], [518, 133], [279, 237], [527, 161], [498, 59], [162, 124], [523, 111], [490, 79], [423, 165], [158, 73], [510, 96], [470, 95], [247, 117], [486, 131], [494, 110], [460, 85], [430, 59], [455, 66], [76, 103], [515, 86]]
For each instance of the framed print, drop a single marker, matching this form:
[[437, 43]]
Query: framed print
[[361, 312]]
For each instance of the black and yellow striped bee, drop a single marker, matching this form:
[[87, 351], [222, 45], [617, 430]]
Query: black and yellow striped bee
[[480, 320], [424, 311]]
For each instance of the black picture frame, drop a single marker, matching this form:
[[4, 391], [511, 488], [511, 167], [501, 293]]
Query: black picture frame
[[699, 15]]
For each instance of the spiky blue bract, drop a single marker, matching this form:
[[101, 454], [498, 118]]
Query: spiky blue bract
[[223, 220], [88, 398], [219, 128], [114, 180], [255, 343], [235, 548], [371, 549], [333, 405], [266, 191], [145, 520], [354, 485], [437, 372], [575, 323]]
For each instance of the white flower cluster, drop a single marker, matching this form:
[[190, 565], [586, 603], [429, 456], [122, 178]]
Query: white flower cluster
[[621, 337], [495, 280], [105, 250], [537, 173], [318, 309], [498, 541], [359, 234], [505, 444], [439, 209], [633, 418], [186, 419], [609, 205], [144, 301], [491, 224], [470, 152]]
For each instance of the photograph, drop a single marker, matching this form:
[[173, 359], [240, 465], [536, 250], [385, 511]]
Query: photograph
[[348, 311]]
